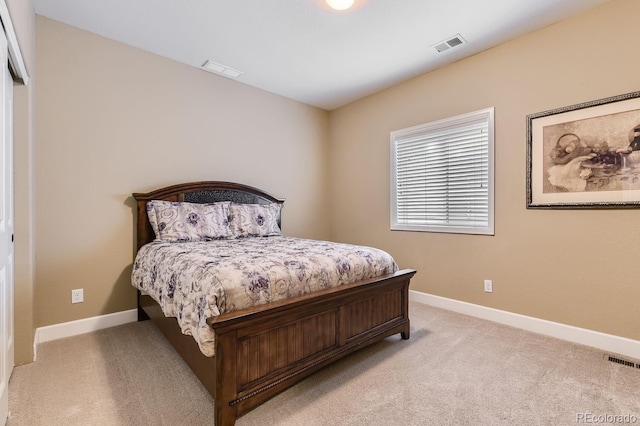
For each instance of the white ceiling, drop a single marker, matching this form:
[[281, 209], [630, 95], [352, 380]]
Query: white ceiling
[[306, 51]]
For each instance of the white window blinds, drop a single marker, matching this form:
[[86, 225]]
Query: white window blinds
[[442, 175]]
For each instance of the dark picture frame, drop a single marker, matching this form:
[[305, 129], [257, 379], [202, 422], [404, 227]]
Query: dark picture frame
[[585, 156]]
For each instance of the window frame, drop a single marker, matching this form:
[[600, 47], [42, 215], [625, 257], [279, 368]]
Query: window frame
[[439, 126]]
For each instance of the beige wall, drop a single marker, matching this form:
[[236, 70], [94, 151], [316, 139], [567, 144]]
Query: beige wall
[[572, 267], [24, 21], [113, 120]]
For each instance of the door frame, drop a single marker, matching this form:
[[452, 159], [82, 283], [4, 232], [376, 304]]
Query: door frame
[[18, 71], [6, 233], [16, 61]]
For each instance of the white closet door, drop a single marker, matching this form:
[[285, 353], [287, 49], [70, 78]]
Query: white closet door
[[6, 231]]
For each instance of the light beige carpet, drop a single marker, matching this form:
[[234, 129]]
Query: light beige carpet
[[455, 370]]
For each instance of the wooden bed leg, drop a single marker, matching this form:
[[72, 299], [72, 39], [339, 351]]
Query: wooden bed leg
[[407, 331], [142, 315]]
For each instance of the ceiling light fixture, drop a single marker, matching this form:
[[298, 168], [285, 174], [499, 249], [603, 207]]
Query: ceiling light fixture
[[222, 70], [340, 4]]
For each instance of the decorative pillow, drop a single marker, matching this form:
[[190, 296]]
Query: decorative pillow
[[182, 221], [254, 220], [151, 214]]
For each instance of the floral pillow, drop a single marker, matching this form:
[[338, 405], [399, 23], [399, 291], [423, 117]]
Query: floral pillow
[[254, 220], [181, 221]]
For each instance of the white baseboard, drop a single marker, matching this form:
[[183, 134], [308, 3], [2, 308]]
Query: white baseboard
[[606, 342], [86, 325]]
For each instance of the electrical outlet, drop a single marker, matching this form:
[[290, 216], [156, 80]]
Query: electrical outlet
[[77, 295], [488, 286]]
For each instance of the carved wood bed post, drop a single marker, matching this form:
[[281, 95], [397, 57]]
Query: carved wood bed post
[[226, 381]]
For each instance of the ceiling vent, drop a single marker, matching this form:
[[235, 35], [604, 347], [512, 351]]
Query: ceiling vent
[[222, 70], [451, 42]]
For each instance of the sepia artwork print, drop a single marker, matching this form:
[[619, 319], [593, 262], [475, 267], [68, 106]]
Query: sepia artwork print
[[586, 155]]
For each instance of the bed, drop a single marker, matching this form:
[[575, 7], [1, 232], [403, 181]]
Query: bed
[[259, 351]]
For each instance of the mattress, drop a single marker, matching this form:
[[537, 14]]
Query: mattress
[[194, 281]]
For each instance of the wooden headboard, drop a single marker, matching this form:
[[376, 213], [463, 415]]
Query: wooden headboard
[[197, 192]]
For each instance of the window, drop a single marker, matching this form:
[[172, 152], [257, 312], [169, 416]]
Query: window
[[442, 175]]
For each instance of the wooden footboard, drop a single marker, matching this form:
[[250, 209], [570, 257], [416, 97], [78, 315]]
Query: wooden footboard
[[262, 351]]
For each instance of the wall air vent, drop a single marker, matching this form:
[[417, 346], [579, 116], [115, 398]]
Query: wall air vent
[[447, 44], [621, 361]]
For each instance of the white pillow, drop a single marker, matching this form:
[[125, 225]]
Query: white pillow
[[254, 220], [182, 221]]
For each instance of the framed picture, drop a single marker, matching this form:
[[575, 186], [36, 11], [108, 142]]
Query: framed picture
[[585, 156]]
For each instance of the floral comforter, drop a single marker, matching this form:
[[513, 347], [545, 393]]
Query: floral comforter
[[194, 281]]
